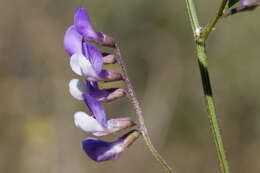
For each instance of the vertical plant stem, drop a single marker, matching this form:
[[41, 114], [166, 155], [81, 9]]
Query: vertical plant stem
[[137, 108], [202, 61]]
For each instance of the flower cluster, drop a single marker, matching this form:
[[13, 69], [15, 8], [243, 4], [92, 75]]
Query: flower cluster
[[87, 61]]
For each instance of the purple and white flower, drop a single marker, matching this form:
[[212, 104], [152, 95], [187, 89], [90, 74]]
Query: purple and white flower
[[89, 64], [97, 123]]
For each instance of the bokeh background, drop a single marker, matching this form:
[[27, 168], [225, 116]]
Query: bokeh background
[[37, 133]]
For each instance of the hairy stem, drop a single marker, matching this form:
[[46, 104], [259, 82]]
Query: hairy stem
[[202, 61], [137, 108]]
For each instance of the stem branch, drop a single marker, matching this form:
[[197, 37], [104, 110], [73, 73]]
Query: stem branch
[[213, 22], [137, 108]]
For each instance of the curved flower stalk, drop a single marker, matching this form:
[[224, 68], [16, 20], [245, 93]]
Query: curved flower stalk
[[87, 61]]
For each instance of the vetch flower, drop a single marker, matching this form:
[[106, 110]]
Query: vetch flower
[[83, 27], [90, 65], [99, 150], [97, 123], [78, 88], [87, 61]]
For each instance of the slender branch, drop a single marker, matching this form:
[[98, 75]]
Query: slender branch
[[202, 61], [137, 108], [213, 22], [193, 16]]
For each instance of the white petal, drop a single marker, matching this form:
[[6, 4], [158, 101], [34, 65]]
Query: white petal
[[87, 69], [74, 63], [77, 88], [87, 123]]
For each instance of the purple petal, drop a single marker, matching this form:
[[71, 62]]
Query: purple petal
[[94, 55], [99, 150], [83, 25], [96, 109], [72, 41]]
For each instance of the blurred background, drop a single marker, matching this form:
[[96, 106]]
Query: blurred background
[[36, 110]]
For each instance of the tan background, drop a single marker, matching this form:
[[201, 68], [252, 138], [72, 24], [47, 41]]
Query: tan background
[[37, 132]]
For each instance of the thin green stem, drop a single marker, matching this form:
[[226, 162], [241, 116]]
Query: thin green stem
[[202, 61], [193, 16], [213, 22]]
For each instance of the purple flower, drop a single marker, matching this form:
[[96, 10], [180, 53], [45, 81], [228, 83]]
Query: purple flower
[[99, 150], [83, 25], [97, 124], [87, 61], [82, 29], [89, 64]]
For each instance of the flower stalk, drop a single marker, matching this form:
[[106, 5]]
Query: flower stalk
[[200, 38], [138, 110]]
